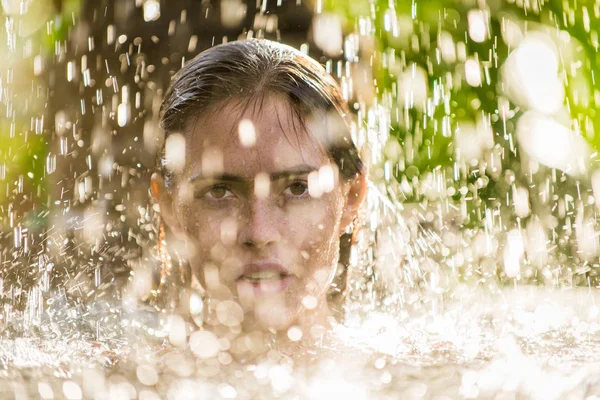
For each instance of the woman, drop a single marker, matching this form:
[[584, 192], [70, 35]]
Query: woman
[[260, 182]]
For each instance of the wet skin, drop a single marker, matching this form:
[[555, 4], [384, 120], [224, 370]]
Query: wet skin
[[252, 229]]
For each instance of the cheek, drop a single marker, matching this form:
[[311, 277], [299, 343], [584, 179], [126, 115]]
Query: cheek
[[311, 225], [197, 223], [201, 234], [315, 234]]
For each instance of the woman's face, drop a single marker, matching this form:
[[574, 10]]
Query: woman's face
[[261, 208]]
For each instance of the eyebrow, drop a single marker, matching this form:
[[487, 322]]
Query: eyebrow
[[297, 170]]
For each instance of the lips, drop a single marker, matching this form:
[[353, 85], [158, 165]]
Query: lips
[[263, 269], [264, 277]]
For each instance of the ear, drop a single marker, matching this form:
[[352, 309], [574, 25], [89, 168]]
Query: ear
[[163, 197], [354, 199]]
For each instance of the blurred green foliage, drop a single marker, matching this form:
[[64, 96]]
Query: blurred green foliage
[[410, 34], [25, 134]]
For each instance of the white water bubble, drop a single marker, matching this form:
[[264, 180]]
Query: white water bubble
[[225, 358], [72, 391], [513, 253], [433, 186], [212, 161], [120, 388], [175, 152], [413, 87], [147, 374], [232, 13], [530, 75], [70, 71], [180, 364], [552, 144], [229, 231], [81, 192], [467, 144], [196, 304], [521, 202], [314, 185], [204, 344], [247, 133], [447, 47], [229, 313], [393, 149], [473, 72], [94, 382], [478, 25], [142, 281], [309, 302], [105, 165], [262, 185], [101, 140], [123, 114], [151, 10], [177, 334], [390, 22], [511, 32], [326, 178], [294, 333], [38, 65], [281, 378], [227, 391], [150, 136], [485, 133], [45, 391], [193, 43], [60, 122], [110, 34], [327, 33], [12, 7]]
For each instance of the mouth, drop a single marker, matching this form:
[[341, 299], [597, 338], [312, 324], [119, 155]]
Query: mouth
[[264, 277]]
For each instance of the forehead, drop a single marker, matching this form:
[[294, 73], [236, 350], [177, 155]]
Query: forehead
[[256, 136]]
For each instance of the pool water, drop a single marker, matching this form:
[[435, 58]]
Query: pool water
[[525, 343]]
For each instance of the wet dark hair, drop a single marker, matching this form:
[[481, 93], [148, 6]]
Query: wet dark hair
[[250, 70], [246, 72]]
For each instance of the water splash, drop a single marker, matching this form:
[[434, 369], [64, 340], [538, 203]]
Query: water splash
[[478, 124]]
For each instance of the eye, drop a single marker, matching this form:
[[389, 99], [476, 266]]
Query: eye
[[218, 192], [297, 189]]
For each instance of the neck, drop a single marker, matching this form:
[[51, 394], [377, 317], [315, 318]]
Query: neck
[[311, 330]]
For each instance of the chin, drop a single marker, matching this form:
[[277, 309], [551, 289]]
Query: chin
[[274, 315]]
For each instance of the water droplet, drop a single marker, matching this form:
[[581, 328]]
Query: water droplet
[[72, 391], [151, 10], [294, 333], [175, 152], [204, 344], [247, 133]]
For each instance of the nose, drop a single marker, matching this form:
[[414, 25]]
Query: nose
[[261, 224]]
